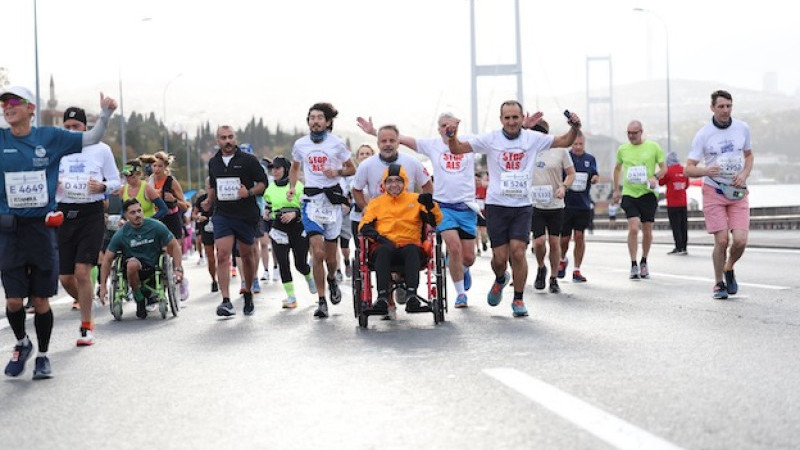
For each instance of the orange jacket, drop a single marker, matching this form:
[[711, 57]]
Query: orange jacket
[[399, 218]]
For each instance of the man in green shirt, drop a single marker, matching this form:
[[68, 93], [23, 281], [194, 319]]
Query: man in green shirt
[[640, 163], [141, 241]]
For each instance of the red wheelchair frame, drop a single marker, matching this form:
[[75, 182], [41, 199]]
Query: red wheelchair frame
[[434, 267]]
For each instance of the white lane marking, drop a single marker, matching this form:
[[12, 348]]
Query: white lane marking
[[711, 280], [605, 426], [59, 301]]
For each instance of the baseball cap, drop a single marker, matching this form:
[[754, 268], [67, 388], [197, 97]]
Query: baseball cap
[[75, 113], [20, 92]]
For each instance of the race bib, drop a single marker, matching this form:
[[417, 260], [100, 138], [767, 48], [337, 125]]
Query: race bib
[[678, 185], [228, 188], [730, 166], [76, 187], [27, 189], [209, 227], [112, 223], [542, 195], [637, 175], [321, 212], [579, 185], [278, 236], [514, 184]]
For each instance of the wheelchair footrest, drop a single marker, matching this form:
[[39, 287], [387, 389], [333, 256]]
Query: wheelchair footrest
[[419, 309], [372, 312]]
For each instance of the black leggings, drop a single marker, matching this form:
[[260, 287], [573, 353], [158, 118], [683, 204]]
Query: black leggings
[[678, 221], [408, 256], [298, 244]]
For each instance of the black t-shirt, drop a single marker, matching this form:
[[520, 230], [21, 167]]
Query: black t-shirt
[[200, 210], [247, 169]]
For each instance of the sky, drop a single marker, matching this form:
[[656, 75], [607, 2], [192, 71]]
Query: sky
[[400, 62]]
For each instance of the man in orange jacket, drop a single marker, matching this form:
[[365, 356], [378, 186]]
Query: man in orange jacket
[[396, 220]]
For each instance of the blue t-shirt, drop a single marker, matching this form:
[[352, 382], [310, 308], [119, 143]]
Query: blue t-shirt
[[29, 169], [578, 194]]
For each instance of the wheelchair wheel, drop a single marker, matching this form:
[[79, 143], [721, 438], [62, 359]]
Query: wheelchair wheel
[[169, 287], [119, 289], [358, 287], [440, 303]]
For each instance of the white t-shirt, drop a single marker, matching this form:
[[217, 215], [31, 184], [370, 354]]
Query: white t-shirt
[[454, 174], [725, 147], [510, 164], [95, 162], [328, 154], [369, 175]]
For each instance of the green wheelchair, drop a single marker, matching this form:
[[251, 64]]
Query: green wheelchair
[[162, 283]]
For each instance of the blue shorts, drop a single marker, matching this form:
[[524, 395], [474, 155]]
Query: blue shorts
[[466, 222], [240, 229], [29, 259], [329, 231]]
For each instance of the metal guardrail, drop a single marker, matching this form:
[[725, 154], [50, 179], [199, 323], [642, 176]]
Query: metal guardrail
[[764, 218]]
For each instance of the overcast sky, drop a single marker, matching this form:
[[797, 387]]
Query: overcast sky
[[401, 62]]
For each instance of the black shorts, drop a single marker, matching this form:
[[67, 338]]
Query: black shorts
[[547, 219], [575, 219], [80, 237], [28, 259], [174, 224], [643, 207], [481, 220], [146, 273], [207, 238], [504, 223]]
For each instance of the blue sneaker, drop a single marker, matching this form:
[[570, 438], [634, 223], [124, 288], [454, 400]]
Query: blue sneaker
[[19, 357], [562, 268], [720, 291], [467, 279], [312, 285], [42, 371], [518, 308], [730, 282], [495, 295], [461, 301], [256, 286]]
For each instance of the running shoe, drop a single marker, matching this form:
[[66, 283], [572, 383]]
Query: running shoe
[[41, 370], [674, 251], [495, 295], [562, 268], [644, 271], [265, 275], [683, 252], [276, 274], [541, 274], [730, 282], [554, 289], [467, 279], [336, 293], [256, 286], [312, 285], [339, 276], [577, 277], [484, 245], [225, 309], [392, 314], [141, 309], [400, 296], [720, 291], [19, 357], [214, 286], [290, 302], [87, 338], [348, 271], [461, 301], [242, 288], [152, 302], [249, 307], [381, 306], [322, 310], [634, 272], [518, 308]]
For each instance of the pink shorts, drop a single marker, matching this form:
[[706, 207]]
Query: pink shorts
[[723, 214]]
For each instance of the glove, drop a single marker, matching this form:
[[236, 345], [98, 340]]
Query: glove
[[54, 219], [426, 200], [369, 232]]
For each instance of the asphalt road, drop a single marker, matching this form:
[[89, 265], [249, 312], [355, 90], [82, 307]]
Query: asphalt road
[[612, 363]]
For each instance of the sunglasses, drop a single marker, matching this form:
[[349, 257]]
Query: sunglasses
[[11, 102]]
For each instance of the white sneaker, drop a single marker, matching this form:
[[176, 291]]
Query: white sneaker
[[276, 274], [86, 339]]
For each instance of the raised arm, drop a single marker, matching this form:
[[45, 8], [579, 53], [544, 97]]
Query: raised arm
[[566, 139], [456, 146], [368, 127], [107, 107]]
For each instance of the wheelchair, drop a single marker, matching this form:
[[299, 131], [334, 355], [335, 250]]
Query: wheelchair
[[435, 277], [162, 283]]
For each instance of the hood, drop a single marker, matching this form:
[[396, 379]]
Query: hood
[[392, 171], [672, 159]]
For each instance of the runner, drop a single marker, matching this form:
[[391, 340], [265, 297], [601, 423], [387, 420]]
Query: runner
[[578, 208], [324, 159], [235, 179], [511, 154], [206, 230], [83, 180], [642, 162], [724, 147], [29, 169]]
